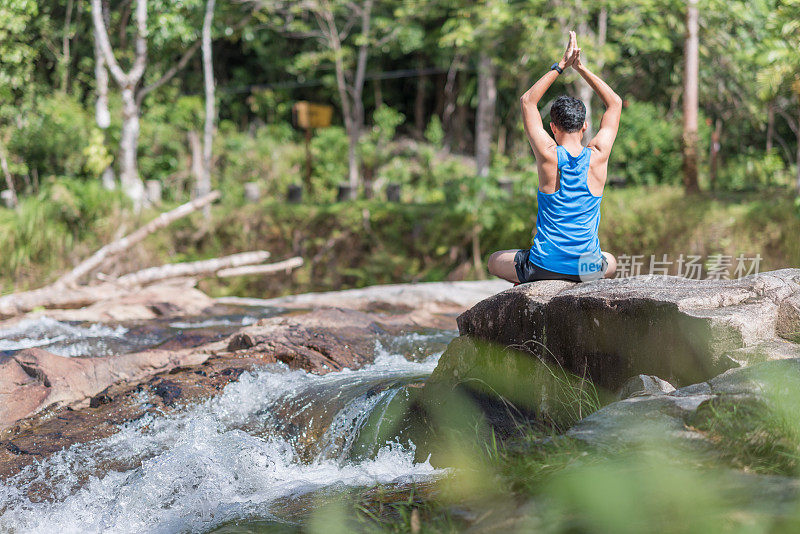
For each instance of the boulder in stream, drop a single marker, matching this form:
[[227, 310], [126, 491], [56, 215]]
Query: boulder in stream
[[749, 401], [679, 329]]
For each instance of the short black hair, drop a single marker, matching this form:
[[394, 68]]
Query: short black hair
[[568, 113]]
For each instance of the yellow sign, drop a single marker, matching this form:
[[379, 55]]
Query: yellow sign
[[308, 115]]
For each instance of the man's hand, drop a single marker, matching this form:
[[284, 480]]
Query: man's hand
[[570, 52], [576, 60]]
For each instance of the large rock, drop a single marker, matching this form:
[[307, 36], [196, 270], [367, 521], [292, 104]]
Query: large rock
[[682, 416], [32, 379], [681, 330], [642, 385]]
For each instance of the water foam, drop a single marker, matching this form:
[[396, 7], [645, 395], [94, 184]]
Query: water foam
[[199, 467], [209, 323], [59, 337]]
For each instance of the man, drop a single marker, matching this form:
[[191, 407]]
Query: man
[[571, 181]]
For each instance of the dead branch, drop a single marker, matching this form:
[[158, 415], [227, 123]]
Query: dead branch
[[123, 244], [52, 297], [194, 268], [286, 265]]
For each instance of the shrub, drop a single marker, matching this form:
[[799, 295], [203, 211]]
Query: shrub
[[754, 169], [648, 147], [52, 138]]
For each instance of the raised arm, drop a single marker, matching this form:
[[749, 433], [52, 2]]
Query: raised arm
[[541, 141], [609, 124]]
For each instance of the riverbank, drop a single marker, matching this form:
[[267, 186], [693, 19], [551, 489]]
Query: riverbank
[[351, 245]]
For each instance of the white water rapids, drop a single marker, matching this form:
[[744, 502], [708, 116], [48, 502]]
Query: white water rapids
[[219, 460]]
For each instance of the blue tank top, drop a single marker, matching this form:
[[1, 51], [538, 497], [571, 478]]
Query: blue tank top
[[566, 240]]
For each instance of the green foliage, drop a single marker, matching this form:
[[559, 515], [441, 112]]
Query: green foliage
[[47, 227], [647, 149], [329, 148], [53, 137], [373, 146], [164, 149], [97, 155], [270, 105], [434, 133], [754, 169], [271, 157], [16, 51]]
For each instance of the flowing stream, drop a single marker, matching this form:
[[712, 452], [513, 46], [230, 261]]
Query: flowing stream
[[271, 437]]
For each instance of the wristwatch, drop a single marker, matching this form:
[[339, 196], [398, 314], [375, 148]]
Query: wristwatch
[[555, 66]]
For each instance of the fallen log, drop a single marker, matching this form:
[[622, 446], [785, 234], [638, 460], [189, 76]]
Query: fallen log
[[65, 297], [124, 243], [285, 265], [191, 269], [57, 297]]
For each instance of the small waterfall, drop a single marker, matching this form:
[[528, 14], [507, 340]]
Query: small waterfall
[[272, 436]]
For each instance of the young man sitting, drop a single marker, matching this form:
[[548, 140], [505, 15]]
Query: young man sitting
[[571, 181]]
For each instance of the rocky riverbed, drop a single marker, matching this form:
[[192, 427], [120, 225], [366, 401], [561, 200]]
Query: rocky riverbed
[[199, 414], [49, 402]]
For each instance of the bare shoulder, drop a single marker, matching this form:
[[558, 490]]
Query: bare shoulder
[[598, 171], [599, 153]]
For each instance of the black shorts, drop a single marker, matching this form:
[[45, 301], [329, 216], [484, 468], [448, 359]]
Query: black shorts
[[527, 271]]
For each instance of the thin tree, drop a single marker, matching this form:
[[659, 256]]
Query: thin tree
[[102, 116], [204, 184], [333, 23], [690, 99], [350, 95], [598, 40], [485, 113], [127, 81], [131, 90]]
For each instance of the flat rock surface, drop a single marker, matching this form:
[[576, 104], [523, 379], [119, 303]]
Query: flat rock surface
[[441, 297], [679, 329], [32, 379]]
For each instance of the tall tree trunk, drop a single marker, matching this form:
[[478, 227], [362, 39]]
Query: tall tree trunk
[[797, 137], [585, 94], [460, 129], [716, 134], [129, 175], [770, 125], [438, 94], [484, 117], [204, 185], [690, 106], [351, 96], [196, 149], [357, 122], [128, 145], [8, 177], [65, 57], [450, 97], [101, 114], [419, 104]]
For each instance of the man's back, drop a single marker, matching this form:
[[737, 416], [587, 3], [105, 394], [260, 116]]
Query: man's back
[[571, 182], [568, 218]]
